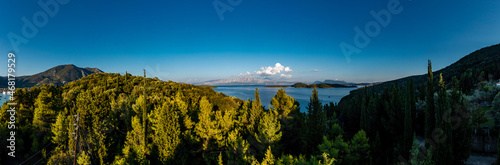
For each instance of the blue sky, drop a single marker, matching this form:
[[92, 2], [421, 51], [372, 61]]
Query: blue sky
[[188, 41]]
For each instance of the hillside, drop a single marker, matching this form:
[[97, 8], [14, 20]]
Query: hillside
[[125, 119], [58, 75], [486, 59]]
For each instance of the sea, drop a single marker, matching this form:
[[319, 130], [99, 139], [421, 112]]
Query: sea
[[3, 98], [302, 95]]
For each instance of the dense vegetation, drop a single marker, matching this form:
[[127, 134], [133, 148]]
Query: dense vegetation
[[123, 119], [478, 66], [110, 118]]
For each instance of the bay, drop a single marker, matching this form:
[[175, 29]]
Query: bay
[[302, 95]]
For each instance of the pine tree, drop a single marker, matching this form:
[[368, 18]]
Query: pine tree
[[238, 147], [134, 150], [359, 149], [377, 150], [286, 110], [255, 113], [336, 130], [336, 148], [43, 114], [206, 128], [430, 113], [59, 130], [83, 159], [268, 130], [219, 160], [166, 131], [315, 123], [283, 105], [269, 159]]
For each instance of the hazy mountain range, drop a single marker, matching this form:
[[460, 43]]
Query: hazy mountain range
[[333, 82], [257, 81], [244, 81]]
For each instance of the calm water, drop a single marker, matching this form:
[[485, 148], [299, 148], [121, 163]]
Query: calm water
[[3, 98], [302, 95]]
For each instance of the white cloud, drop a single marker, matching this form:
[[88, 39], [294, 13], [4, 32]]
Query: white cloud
[[277, 70], [317, 70], [269, 71], [247, 74]]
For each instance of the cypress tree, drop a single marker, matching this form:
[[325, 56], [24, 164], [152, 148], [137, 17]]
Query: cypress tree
[[462, 131], [413, 101], [498, 148], [444, 150], [410, 109], [144, 114], [408, 132], [430, 111]]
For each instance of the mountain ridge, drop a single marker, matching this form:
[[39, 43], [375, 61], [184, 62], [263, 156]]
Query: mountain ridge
[[58, 75], [486, 59]]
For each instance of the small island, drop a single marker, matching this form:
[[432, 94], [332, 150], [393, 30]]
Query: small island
[[277, 86], [322, 85]]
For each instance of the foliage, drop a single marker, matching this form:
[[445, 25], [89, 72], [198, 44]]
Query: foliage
[[269, 130], [430, 121], [315, 123], [125, 119]]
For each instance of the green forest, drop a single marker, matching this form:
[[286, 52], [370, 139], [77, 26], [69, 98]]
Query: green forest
[[108, 118]]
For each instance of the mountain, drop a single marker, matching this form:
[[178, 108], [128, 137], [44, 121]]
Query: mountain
[[323, 85], [244, 81], [485, 60], [332, 82], [58, 75]]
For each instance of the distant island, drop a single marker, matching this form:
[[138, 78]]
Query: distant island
[[277, 86], [322, 85]]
